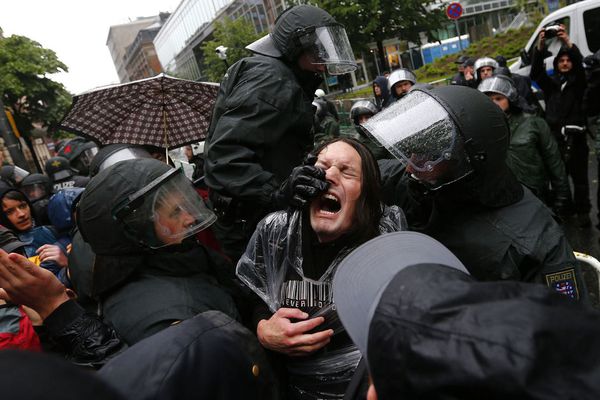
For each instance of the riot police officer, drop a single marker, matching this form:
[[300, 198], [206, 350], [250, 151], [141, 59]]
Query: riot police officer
[[262, 120], [459, 190], [80, 153], [62, 176]]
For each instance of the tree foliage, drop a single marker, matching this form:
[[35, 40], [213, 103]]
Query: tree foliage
[[368, 21], [233, 34], [27, 91]]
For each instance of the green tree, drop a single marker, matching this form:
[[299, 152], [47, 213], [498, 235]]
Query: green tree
[[233, 34], [377, 20], [27, 91]]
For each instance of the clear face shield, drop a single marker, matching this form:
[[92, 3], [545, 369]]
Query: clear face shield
[[499, 85], [85, 158], [419, 131], [164, 212], [35, 191], [19, 174], [330, 46]]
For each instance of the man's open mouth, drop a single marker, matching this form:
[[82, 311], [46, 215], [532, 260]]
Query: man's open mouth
[[330, 204]]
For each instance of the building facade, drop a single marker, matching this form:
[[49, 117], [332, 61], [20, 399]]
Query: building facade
[[178, 43], [141, 60], [480, 18], [120, 37]]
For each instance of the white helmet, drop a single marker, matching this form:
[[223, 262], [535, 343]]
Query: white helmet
[[400, 75], [484, 62], [319, 93], [500, 84]]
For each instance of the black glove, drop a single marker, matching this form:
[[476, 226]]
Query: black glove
[[305, 183]]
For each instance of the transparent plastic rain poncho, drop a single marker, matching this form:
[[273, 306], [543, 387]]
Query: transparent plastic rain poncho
[[274, 250]]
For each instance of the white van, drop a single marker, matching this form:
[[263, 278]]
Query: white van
[[582, 20]]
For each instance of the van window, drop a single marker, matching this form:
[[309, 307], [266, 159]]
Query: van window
[[591, 22]]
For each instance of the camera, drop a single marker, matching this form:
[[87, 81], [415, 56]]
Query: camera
[[552, 30], [221, 52]]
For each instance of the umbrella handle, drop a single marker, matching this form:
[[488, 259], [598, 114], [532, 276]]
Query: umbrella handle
[[165, 133]]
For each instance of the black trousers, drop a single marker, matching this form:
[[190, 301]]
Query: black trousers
[[575, 155]]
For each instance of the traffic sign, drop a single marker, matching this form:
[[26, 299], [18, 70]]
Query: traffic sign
[[454, 10]]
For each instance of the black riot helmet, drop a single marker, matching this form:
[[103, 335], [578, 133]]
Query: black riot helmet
[[80, 153], [145, 204], [58, 169], [12, 174], [113, 153], [307, 28], [140, 201], [451, 136], [36, 187]]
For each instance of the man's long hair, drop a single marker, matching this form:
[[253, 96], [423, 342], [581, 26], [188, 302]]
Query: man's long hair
[[369, 207]]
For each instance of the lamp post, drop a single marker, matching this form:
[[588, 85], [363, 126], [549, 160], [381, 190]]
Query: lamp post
[[222, 53]]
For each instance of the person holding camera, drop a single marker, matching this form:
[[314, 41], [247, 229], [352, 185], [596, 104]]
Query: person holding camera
[[563, 93]]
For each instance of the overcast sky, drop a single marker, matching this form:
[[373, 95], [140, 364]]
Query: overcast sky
[[77, 31]]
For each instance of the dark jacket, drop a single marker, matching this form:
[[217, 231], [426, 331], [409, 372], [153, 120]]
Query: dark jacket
[[386, 98], [563, 104], [459, 79], [144, 290], [519, 241], [260, 130], [438, 334], [209, 356], [326, 128], [496, 227], [534, 158], [169, 287]]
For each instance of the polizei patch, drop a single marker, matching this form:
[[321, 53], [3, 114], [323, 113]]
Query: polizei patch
[[564, 282]]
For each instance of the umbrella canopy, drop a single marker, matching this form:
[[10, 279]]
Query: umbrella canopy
[[161, 111]]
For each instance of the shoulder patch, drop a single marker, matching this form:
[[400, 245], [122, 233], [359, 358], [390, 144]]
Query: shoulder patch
[[564, 282]]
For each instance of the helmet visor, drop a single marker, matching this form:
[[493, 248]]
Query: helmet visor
[[498, 85], [165, 211], [419, 131], [332, 48], [35, 191], [19, 174], [85, 158]]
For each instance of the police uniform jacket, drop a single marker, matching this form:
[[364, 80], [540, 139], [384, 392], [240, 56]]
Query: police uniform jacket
[[260, 130]]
